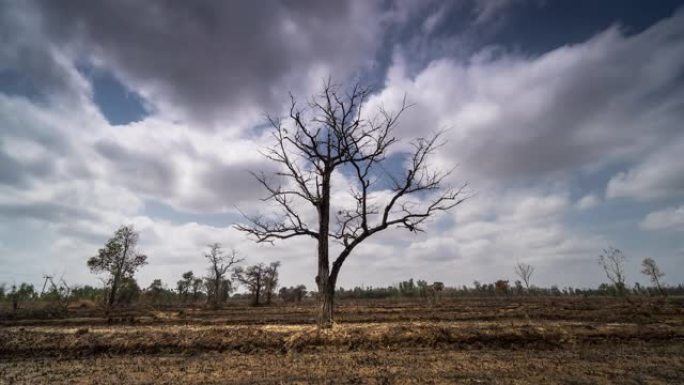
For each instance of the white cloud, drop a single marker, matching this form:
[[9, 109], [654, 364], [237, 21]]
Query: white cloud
[[577, 108], [671, 218], [588, 201], [659, 175], [520, 129]]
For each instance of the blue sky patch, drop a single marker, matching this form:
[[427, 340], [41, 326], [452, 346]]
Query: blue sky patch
[[16, 84], [118, 103]]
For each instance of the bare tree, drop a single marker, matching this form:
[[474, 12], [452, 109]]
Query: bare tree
[[524, 271], [58, 293], [218, 285], [653, 272], [118, 259], [335, 135], [613, 263]]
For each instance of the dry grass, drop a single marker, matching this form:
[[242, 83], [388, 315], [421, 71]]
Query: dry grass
[[489, 342], [51, 341]]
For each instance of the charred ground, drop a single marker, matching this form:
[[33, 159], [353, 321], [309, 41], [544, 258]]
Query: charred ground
[[473, 340]]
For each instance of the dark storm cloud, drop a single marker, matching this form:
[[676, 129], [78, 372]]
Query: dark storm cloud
[[209, 58], [26, 52]]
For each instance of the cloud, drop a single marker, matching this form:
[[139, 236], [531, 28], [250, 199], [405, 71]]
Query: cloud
[[671, 218], [140, 171], [486, 10], [577, 108], [659, 175], [588, 202], [522, 129], [216, 61], [488, 234]]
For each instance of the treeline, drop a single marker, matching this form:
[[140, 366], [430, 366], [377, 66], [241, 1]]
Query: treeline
[[118, 260], [261, 282], [420, 289], [190, 291]]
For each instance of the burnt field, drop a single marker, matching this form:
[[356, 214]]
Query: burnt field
[[469, 341]]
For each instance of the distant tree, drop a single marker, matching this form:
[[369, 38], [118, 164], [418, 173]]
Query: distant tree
[[407, 288], [519, 287], [332, 135], [129, 291], [19, 295], [197, 284], [638, 290], [435, 290], [478, 286], [253, 277], [292, 294], [218, 284], [613, 263], [184, 285], [501, 286], [2, 291], [270, 280], [156, 291], [119, 260], [652, 271], [87, 292], [524, 271], [422, 286]]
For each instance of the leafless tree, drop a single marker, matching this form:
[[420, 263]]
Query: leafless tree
[[118, 259], [524, 271], [613, 263], [58, 293], [653, 272], [335, 135], [218, 285]]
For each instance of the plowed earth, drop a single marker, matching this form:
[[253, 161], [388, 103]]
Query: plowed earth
[[461, 341]]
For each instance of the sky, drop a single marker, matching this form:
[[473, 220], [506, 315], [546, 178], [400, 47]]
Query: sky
[[564, 117]]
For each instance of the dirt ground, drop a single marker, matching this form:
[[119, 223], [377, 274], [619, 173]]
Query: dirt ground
[[460, 341]]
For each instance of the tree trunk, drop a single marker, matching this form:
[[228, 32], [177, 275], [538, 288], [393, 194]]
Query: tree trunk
[[327, 307], [118, 274], [256, 296], [112, 293], [326, 293]]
